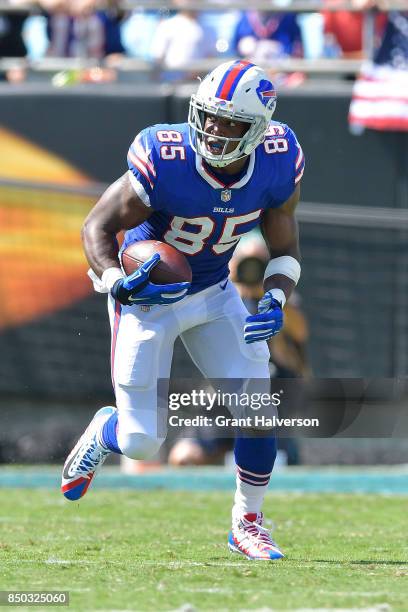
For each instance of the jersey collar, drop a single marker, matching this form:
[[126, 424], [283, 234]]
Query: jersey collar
[[215, 181]]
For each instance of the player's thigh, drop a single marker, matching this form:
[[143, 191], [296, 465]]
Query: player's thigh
[[141, 353], [142, 344], [218, 348]]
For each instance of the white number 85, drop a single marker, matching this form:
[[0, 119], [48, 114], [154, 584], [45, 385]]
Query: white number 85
[[193, 242]]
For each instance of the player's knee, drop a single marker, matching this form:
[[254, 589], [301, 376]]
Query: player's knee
[[139, 445]]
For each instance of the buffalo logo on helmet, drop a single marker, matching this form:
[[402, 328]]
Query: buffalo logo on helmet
[[266, 93], [223, 104]]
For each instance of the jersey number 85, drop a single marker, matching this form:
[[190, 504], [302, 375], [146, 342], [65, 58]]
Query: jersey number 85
[[193, 242]]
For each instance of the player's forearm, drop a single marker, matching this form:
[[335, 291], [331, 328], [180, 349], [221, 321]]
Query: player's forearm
[[281, 233], [283, 271], [279, 281], [101, 247], [118, 209]]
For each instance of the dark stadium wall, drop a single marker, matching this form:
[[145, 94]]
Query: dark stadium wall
[[92, 127]]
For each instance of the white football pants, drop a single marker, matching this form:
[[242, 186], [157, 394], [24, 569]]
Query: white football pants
[[211, 326]]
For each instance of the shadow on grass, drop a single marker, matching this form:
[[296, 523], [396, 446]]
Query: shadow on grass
[[360, 562]]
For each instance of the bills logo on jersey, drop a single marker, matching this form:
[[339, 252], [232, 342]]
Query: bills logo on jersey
[[266, 93]]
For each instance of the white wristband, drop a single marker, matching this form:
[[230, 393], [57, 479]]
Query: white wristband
[[279, 295], [285, 265], [110, 276]]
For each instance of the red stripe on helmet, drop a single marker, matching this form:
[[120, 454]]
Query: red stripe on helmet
[[231, 78]]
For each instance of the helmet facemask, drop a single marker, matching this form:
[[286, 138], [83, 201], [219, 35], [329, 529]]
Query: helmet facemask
[[244, 144]]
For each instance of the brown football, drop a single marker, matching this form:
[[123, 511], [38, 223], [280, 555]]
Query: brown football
[[173, 267]]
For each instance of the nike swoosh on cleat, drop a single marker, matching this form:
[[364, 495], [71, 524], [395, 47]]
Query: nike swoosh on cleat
[[67, 474]]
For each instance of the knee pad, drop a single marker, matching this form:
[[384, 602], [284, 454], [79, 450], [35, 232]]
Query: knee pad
[[137, 445]]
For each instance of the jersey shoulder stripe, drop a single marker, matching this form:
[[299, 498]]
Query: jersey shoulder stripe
[[299, 164], [136, 164], [141, 149], [141, 166], [282, 152], [139, 156], [297, 154]]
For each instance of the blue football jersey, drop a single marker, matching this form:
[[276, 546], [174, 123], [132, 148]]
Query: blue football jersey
[[193, 209]]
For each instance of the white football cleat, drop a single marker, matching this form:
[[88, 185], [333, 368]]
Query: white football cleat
[[86, 458], [250, 539]]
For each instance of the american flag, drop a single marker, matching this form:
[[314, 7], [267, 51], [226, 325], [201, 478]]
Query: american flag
[[380, 94]]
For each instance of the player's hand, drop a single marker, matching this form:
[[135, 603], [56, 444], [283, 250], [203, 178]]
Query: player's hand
[[137, 288], [267, 322]]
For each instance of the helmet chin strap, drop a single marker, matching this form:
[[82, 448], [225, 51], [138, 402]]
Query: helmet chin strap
[[212, 160], [215, 164], [221, 163]]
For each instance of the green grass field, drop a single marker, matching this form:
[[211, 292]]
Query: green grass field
[[148, 551]]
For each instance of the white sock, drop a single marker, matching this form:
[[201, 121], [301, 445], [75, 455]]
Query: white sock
[[248, 497]]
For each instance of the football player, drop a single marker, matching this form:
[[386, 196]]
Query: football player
[[199, 186]]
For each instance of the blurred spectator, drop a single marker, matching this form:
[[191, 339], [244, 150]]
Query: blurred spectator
[[380, 99], [311, 27], [288, 355], [181, 39], [11, 38], [138, 32], [346, 28], [77, 28], [11, 34], [222, 26], [35, 36], [287, 348], [263, 36]]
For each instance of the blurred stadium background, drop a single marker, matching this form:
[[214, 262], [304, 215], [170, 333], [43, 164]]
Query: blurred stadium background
[[65, 126]]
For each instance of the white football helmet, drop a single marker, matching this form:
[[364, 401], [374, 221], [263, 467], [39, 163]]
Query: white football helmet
[[236, 90]]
